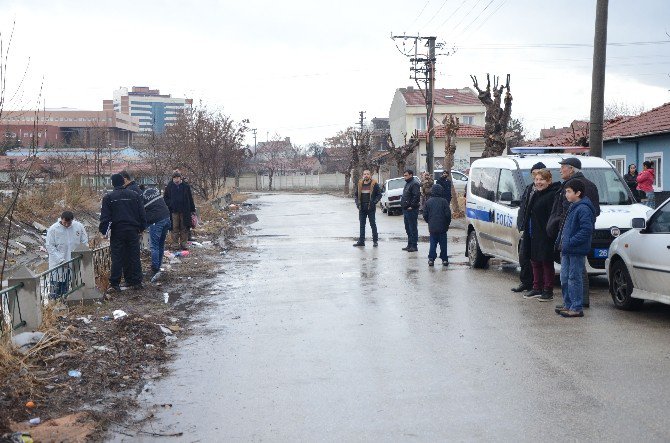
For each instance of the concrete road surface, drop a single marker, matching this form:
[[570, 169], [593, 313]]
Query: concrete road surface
[[314, 340]]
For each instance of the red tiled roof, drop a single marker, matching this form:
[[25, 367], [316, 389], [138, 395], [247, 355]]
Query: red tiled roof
[[465, 96], [656, 121], [464, 131]]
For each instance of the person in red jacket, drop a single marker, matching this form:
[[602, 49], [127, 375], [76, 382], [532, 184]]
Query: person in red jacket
[[645, 183]]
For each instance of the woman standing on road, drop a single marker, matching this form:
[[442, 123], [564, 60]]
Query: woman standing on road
[[541, 245], [631, 180], [645, 183]]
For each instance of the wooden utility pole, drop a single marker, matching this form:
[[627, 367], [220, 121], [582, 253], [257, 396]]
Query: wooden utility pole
[[430, 106], [598, 80]]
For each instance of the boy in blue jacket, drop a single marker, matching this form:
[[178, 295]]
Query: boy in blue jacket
[[574, 242], [438, 216]]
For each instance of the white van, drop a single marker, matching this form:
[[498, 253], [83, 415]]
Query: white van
[[494, 195]]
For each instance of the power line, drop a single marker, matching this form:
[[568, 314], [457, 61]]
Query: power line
[[452, 14], [497, 46], [466, 15], [436, 14], [475, 19], [486, 19], [417, 17]]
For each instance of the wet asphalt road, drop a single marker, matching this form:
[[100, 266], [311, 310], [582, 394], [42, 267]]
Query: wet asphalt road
[[335, 343]]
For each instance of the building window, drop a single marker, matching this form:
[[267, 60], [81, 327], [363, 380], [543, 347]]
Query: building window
[[468, 119], [656, 158], [420, 123], [619, 163]]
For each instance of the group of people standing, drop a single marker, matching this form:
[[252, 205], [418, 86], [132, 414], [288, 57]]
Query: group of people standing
[[129, 209], [642, 183], [434, 204], [557, 219]]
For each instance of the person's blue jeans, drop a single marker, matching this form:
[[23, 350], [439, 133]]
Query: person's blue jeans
[[572, 281], [411, 218], [651, 200], [436, 239], [158, 232], [363, 215]]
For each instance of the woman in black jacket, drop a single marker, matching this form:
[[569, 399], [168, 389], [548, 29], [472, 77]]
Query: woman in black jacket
[[541, 244], [631, 180]]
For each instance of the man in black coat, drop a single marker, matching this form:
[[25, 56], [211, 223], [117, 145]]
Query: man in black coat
[[526, 274], [367, 196], [130, 183], [570, 170], [179, 199], [122, 212], [410, 201], [446, 185]]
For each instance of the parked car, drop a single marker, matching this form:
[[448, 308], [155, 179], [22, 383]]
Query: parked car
[[460, 180], [638, 267], [391, 195], [493, 198]]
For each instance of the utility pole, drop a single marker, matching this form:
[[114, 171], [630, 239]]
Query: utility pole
[[423, 70], [254, 131], [430, 105], [362, 119], [598, 80]]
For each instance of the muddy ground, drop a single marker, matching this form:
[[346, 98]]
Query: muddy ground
[[115, 357]]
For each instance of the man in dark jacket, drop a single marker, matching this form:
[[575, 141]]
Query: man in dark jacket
[[122, 213], [570, 170], [446, 185], [179, 199], [367, 196], [438, 216], [130, 183], [526, 274], [158, 219], [410, 201]]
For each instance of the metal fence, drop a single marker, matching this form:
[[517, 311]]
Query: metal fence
[[60, 281], [10, 309], [102, 265]]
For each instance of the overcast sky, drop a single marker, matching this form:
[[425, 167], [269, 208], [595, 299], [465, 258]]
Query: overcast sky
[[304, 69]]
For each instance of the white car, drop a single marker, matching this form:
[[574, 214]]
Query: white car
[[494, 194], [638, 267], [460, 180], [392, 193]]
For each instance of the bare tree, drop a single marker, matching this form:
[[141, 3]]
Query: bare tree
[[451, 126], [616, 109], [339, 156], [497, 118], [401, 153], [273, 157]]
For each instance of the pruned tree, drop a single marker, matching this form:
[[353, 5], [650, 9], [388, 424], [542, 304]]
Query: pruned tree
[[497, 117], [400, 153], [361, 154], [339, 156], [451, 126]]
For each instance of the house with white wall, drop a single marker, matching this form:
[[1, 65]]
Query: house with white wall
[[408, 113]]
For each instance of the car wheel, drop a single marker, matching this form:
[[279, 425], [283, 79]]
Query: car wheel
[[476, 257], [621, 288], [389, 212], [384, 210]]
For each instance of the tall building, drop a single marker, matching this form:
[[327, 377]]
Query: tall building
[[155, 110]]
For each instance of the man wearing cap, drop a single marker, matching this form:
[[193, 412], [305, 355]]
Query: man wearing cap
[[123, 213], [526, 274], [571, 170], [179, 199]]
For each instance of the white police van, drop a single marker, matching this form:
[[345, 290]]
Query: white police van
[[494, 195]]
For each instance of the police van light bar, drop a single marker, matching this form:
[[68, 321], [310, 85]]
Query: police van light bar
[[550, 150]]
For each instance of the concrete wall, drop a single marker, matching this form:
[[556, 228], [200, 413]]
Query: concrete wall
[[318, 182]]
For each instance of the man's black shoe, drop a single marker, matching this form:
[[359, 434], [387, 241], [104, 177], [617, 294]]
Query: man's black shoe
[[359, 244], [445, 263], [586, 305], [522, 288], [412, 249], [113, 289], [375, 244], [546, 296], [533, 293], [137, 287], [431, 262], [405, 248]]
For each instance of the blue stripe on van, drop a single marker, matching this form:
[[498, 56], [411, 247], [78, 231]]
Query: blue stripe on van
[[478, 214]]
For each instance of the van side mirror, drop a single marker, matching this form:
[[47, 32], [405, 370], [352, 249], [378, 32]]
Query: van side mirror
[[506, 198], [639, 223]]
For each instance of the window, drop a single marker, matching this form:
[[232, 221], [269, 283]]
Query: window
[[508, 186], [656, 158], [485, 182], [660, 221], [468, 119], [619, 163], [420, 123]]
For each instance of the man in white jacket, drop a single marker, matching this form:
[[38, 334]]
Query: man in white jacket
[[62, 237]]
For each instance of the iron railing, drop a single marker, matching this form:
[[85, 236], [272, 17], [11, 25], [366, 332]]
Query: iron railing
[[10, 309], [102, 261], [61, 281]]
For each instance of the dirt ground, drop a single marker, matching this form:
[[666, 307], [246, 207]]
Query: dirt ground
[[115, 357]]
